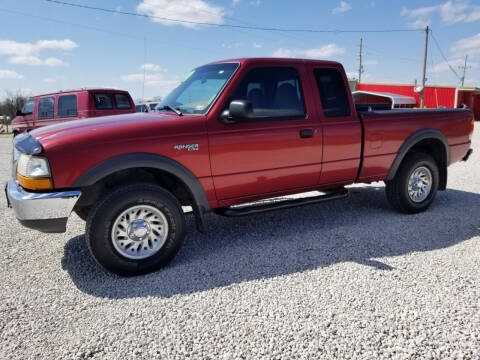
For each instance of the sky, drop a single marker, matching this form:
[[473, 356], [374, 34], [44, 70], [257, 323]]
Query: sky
[[46, 46]]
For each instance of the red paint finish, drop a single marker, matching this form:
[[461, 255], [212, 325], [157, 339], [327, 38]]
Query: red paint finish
[[85, 109], [384, 137], [247, 161], [264, 156]]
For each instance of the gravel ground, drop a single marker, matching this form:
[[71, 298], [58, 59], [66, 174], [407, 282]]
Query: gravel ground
[[345, 279]]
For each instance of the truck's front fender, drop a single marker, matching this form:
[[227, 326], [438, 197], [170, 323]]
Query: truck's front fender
[[149, 160]]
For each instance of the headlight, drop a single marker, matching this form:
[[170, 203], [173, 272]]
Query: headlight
[[33, 166], [33, 172]]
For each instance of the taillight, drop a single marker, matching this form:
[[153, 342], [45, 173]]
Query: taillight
[[472, 125]]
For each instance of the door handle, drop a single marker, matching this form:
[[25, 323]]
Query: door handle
[[307, 133]]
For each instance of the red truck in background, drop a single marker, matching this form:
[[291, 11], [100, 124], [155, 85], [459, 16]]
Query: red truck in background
[[231, 133], [54, 108]]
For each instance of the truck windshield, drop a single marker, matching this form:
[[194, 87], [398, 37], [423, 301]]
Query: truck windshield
[[199, 88]]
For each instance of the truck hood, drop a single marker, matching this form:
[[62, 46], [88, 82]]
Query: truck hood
[[102, 125]]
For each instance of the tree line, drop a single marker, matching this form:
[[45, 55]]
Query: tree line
[[11, 103]]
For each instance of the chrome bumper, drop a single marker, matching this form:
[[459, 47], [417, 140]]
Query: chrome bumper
[[46, 212]]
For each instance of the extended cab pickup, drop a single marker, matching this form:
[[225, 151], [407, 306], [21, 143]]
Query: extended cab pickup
[[233, 132]]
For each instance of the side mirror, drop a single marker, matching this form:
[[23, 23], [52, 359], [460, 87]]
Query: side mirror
[[19, 113], [237, 111]]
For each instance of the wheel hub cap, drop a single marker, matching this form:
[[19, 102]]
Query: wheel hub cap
[[139, 232], [420, 184]]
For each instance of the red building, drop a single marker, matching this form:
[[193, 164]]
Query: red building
[[435, 96]]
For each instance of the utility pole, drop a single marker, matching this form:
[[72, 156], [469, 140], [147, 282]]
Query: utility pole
[[464, 67], [424, 73], [360, 66]]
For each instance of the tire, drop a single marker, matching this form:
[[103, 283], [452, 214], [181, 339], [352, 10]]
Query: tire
[[117, 224], [82, 212], [397, 190]]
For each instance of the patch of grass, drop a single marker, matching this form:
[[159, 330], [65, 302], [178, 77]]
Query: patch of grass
[[6, 133]]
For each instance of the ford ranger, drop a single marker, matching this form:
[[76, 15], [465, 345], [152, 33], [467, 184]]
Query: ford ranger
[[232, 133]]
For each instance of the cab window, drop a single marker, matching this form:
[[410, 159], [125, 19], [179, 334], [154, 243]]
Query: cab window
[[46, 107], [274, 92], [332, 91], [67, 105], [122, 101], [103, 101]]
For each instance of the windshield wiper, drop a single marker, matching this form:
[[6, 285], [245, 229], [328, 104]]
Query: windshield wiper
[[170, 107]]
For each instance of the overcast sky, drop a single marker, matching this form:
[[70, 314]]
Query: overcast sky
[[47, 47]]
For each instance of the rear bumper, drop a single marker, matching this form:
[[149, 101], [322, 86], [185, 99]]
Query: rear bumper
[[469, 152], [46, 212]]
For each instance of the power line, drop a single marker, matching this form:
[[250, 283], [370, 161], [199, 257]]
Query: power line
[[444, 57], [114, 33], [260, 28]]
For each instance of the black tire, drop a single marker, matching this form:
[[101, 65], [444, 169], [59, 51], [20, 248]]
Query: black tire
[[397, 189], [83, 212], [102, 219]]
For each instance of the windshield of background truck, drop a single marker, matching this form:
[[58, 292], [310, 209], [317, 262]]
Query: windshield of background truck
[[28, 108], [199, 88]]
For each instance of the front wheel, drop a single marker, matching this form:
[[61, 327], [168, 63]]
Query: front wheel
[[415, 184], [135, 229]]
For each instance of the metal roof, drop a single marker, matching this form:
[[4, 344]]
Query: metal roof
[[395, 98]]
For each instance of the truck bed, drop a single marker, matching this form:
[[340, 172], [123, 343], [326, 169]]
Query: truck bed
[[386, 130]]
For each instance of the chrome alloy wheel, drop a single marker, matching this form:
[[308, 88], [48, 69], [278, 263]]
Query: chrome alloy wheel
[[139, 232], [420, 184]]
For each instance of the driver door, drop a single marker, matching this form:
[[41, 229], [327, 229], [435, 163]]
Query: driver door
[[278, 149]]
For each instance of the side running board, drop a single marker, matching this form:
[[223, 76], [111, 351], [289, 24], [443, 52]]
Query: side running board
[[270, 205]]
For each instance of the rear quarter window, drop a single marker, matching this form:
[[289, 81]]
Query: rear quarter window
[[103, 101], [333, 93], [67, 105], [122, 101]]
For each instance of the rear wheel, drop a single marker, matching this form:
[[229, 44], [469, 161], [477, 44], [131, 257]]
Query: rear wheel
[[135, 229], [415, 184]]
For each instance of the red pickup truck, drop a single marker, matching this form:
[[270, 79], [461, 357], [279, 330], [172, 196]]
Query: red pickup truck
[[54, 108], [233, 132]]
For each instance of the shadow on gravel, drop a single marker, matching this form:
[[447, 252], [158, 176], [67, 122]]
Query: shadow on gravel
[[361, 228]]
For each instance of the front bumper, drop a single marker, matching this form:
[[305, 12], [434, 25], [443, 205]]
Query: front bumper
[[46, 212]]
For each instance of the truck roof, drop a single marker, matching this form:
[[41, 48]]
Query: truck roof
[[67, 91], [279, 60]]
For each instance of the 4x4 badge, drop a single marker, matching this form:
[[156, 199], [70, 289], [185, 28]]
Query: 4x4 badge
[[188, 147]]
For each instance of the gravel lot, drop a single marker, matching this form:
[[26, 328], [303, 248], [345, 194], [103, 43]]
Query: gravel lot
[[345, 279]]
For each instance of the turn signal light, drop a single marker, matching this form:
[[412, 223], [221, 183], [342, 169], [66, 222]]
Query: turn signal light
[[34, 184]]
